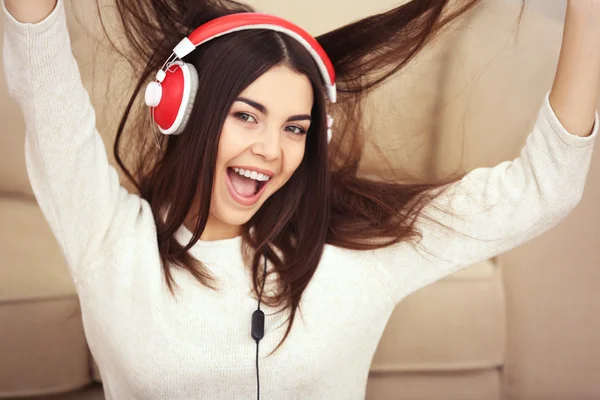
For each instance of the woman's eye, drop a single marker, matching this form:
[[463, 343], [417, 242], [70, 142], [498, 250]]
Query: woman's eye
[[296, 130], [245, 117]]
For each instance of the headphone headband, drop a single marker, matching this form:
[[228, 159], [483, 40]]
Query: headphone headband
[[248, 21]]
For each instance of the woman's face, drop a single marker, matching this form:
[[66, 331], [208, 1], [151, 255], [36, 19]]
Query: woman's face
[[261, 145]]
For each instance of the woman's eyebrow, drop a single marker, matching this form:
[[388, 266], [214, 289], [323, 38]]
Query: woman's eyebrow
[[302, 117], [265, 111], [254, 104]]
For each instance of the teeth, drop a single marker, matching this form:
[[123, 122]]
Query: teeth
[[252, 174]]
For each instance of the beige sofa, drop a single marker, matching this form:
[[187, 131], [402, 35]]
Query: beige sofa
[[523, 325]]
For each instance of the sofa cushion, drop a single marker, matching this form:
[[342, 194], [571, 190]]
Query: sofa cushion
[[454, 385], [42, 339], [43, 347], [457, 323], [32, 265]]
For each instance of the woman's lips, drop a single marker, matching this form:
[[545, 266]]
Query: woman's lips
[[245, 201]]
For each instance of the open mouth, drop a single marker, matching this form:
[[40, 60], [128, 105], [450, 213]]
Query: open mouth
[[246, 187]]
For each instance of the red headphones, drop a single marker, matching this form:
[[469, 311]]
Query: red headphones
[[170, 97]]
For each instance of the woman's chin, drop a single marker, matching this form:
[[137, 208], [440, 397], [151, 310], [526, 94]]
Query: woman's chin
[[234, 214]]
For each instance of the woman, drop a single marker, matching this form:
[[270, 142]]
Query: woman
[[250, 178]]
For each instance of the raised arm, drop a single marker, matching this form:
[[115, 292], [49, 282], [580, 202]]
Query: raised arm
[[576, 88], [492, 210], [76, 188]]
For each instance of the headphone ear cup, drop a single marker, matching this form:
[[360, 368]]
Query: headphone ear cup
[[193, 82]]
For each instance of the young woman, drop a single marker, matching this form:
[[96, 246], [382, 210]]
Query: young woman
[[169, 275]]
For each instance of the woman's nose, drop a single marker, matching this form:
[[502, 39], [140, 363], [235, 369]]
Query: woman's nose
[[268, 145]]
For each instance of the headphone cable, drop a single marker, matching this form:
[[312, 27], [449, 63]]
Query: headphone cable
[[259, 334]]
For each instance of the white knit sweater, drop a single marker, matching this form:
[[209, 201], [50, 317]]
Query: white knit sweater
[[149, 345]]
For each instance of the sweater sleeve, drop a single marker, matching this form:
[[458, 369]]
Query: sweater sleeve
[[72, 180], [492, 210]]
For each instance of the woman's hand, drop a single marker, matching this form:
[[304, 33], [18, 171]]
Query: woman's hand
[[30, 11]]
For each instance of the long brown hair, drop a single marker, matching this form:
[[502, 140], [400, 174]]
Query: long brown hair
[[326, 200]]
